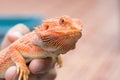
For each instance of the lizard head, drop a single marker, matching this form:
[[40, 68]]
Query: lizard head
[[59, 34]]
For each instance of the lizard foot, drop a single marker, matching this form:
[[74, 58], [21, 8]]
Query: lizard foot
[[23, 72], [59, 61]]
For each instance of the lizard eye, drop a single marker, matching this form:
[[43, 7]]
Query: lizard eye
[[62, 21]]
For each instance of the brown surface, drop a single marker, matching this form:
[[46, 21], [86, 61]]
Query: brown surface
[[97, 55]]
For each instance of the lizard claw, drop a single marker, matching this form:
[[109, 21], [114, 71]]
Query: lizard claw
[[23, 72]]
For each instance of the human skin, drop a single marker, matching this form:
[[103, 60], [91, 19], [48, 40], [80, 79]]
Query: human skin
[[40, 68]]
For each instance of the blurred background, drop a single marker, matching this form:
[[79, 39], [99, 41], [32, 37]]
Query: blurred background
[[97, 55]]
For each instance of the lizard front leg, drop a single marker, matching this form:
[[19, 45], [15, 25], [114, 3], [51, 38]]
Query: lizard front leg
[[22, 69], [59, 61]]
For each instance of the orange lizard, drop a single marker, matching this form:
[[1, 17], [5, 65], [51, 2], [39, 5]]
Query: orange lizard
[[53, 37]]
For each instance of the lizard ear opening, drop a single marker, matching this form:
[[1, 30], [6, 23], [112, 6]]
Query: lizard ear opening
[[46, 27]]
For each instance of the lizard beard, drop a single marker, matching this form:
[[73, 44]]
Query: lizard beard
[[57, 42]]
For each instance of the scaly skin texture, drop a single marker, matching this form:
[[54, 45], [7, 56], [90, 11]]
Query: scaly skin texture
[[53, 37]]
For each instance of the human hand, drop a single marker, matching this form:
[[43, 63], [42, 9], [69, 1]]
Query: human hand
[[40, 69]]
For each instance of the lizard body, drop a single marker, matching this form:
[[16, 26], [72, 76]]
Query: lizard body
[[53, 37]]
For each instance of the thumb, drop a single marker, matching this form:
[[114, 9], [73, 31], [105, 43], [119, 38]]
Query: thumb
[[13, 34]]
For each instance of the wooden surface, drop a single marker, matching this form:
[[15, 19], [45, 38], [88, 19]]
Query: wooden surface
[[97, 55]]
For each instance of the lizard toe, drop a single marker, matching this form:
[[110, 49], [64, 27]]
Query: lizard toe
[[22, 72]]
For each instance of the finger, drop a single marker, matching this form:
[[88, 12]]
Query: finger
[[11, 73], [13, 34], [17, 31], [40, 65], [50, 75]]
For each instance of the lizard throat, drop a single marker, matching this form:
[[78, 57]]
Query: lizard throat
[[43, 45]]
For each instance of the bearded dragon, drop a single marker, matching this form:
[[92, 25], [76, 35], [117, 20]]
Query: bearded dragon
[[53, 37]]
